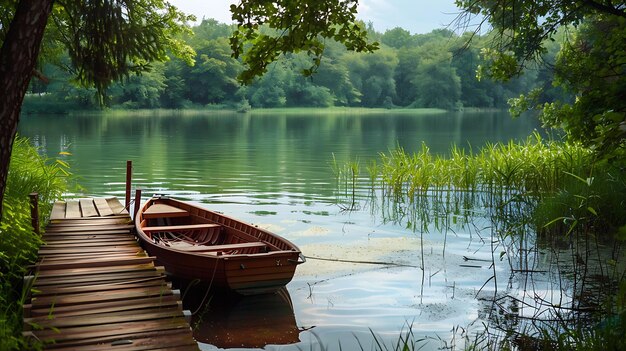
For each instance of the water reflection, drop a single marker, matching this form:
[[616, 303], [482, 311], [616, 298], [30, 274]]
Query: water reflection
[[269, 155], [274, 171], [235, 321]]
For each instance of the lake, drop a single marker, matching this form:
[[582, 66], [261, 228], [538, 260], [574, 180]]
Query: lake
[[274, 170]]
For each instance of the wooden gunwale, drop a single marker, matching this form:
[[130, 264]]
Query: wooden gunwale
[[176, 228], [225, 247]]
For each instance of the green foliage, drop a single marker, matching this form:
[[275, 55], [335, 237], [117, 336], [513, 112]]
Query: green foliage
[[585, 202], [140, 91], [418, 70], [212, 79], [28, 173], [294, 27], [108, 40], [590, 64], [372, 75], [520, 29], [397, 38], [436, 81]]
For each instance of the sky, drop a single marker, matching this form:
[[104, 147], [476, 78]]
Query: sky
[[416, 16]]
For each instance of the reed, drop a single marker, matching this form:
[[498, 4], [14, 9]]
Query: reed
[[347, 182], [29, 172], [540, 197]]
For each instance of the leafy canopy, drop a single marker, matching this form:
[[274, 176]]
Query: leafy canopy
[[269, 28], [108, 40], [591, 64]]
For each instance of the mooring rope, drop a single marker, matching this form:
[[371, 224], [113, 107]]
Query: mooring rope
[[362, 262], [207, 292]]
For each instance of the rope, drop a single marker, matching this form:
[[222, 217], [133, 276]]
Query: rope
[[207, 291], [362, 262], [127, 207]]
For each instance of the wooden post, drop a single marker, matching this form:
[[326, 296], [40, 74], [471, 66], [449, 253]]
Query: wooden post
[[34, 211], [137, 203], [129, 176]]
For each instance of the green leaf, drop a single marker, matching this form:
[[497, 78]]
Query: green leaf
[[590, 209]]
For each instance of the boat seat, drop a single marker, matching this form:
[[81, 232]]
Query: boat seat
[[179, 228], [249, 246], [164, 211]]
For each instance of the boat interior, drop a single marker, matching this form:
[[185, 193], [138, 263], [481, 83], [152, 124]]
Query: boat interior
[[179, 229]]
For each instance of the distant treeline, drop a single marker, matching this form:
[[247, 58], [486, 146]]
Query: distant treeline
[[434, 70]]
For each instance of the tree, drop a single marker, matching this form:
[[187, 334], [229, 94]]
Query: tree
[[109, 39], [18, 55], [372, 75], [294, 26], [300, 90], [397, 38], [598, 115], [106, 40], [140, 91], [436, 81], [335, 76], [269, 90], [408, 62], [212, 79], [591, 64]]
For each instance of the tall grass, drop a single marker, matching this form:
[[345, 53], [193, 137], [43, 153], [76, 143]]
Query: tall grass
[[544, 200], [29, 172]]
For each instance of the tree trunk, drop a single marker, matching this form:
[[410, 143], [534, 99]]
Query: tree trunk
[[18, 57]]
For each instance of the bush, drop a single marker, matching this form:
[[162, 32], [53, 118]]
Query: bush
[[29, 172]]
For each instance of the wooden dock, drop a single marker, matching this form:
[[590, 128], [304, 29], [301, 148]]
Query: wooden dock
[[94, 288]]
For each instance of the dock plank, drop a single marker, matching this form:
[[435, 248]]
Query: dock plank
[[91, 262], [112, 330], [116, 206], [128, 340], [92, 228], [87, 208], [90, 221], [104, 307], [103, 207], [58, 210], [72, 209], [96, 279], [179, 341]]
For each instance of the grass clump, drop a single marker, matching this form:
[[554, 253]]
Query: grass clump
[[29, 172]]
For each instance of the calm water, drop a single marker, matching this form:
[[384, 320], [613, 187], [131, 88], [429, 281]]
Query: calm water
[[274, 171]]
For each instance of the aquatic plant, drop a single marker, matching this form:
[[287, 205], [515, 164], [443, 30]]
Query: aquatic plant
[[552, 208], [347, 178]]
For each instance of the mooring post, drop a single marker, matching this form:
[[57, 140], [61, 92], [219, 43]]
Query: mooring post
[[129, 176], [34, 211], [137, 203]]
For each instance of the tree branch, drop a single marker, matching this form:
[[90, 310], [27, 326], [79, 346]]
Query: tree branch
[[605, 8]]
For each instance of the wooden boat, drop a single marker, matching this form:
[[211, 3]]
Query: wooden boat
[[195, 243]]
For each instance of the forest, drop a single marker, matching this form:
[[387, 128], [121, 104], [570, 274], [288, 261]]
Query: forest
[[433, 70]]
